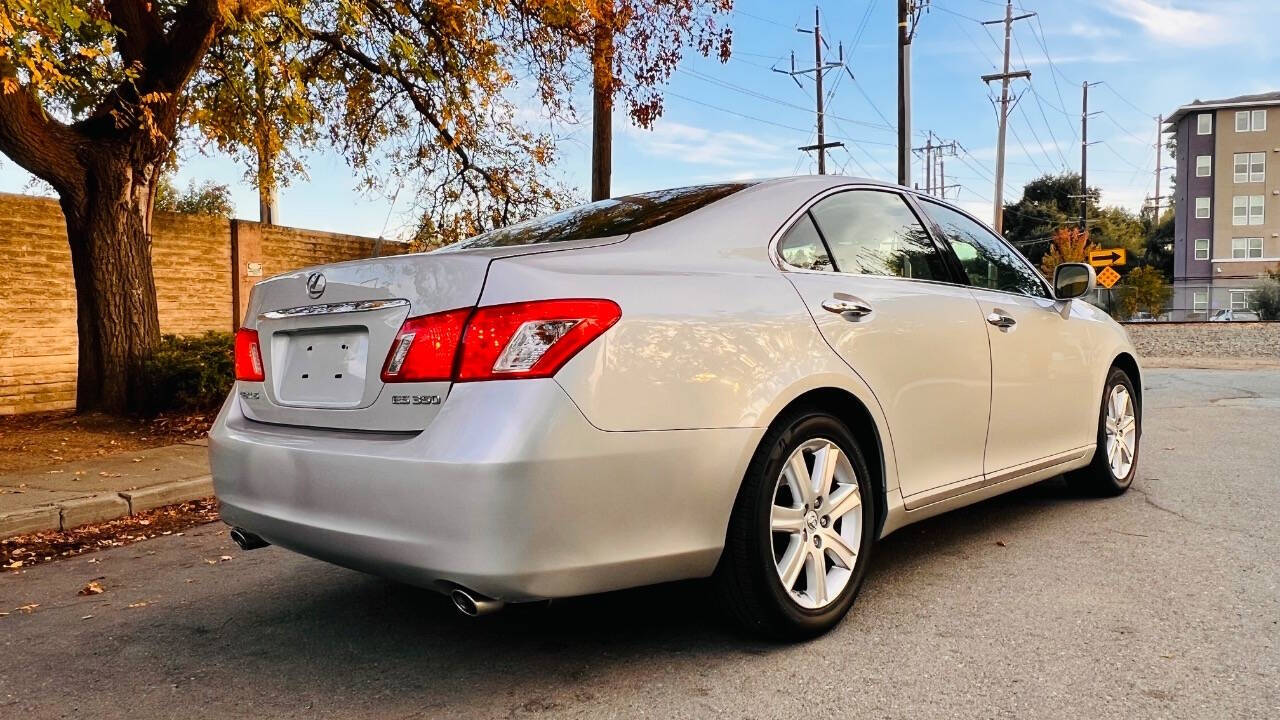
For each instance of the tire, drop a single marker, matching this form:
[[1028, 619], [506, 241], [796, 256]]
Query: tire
[[1101, 477], [749, 576]]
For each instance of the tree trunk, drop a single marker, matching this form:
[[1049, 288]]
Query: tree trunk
[[602, 107], [108, 229]]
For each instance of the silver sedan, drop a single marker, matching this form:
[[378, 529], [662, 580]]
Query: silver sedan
[[751, 382]]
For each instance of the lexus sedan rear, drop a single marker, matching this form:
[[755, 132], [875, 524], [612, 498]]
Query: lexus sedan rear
[[751, 382]]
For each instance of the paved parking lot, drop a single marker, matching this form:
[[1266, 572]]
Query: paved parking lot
[[1161, 603]]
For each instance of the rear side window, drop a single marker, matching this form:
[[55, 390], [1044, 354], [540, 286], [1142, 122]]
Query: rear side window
[[802, 246], [987, 260], [871, 232], [606, 218]]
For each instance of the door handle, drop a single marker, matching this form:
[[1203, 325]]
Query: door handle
[[848, 308], [1000, 320]]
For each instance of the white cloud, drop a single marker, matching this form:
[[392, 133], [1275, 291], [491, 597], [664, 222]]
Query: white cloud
[[700, 146], [1172, 24]]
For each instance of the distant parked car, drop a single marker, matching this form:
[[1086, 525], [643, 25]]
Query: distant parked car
[[751, 381], [1234, 316], [1143, 317]]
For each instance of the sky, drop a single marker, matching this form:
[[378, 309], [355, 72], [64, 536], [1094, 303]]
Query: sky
[[740, 120]]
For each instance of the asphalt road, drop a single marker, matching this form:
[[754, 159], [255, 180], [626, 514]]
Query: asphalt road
[[1160, 603]]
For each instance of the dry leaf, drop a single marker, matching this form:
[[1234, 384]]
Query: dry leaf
[[28, 609], [86, 617], [1001, 543], [93, 588], [225, 558], [138, 605]]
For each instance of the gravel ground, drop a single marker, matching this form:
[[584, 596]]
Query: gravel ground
[[1161, 603]]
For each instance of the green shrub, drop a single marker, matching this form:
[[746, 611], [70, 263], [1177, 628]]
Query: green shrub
[[1267, 300], [192, 373]]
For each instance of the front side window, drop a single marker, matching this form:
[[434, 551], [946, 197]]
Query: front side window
[[1256, 209], [1202, 207], [1204, 165], [1204, 124], [1240, 210], [871, 232], [1246, 248], [987, 260], [1242, 121], [1258, 123], [1202, 249], [606, 218], [1257, 167], [1240, 299], [1200, 301], [1240, 161], [802, 246]]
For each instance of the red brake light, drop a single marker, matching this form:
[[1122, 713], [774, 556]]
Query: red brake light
[[248, 356], [425, 347], [531, 339]]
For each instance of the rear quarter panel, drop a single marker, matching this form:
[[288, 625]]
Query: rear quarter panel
[[711, 335]]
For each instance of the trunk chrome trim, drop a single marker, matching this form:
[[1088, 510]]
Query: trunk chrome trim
[[333, 308]]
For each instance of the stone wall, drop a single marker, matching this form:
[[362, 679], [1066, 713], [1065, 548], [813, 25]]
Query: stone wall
[[204, 267], [1212, 340]]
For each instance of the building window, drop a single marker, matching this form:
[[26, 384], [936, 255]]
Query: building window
[[1240, 299], [1204, 165], [1202, 249], [1204, 124], [1251, 121], [1249, 167], [1202, 207], [1246, 248], [1200, 301], [1247, 210]]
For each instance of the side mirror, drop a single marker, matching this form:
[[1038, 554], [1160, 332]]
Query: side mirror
[[1073, 280]]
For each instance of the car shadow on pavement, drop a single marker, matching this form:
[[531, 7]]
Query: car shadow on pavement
[[329, 634]]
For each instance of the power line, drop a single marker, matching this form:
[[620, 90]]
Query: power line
[[1040, 105], [1125, 100], [768, 98]]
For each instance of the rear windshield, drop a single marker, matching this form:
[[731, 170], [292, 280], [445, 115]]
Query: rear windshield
[[606, 218]]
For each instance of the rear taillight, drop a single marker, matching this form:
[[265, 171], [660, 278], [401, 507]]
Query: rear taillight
[[425, 347], [531, 339], [517, 340], [248, 356]]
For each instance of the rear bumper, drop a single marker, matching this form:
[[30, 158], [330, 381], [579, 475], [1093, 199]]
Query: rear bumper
[[509, 492]]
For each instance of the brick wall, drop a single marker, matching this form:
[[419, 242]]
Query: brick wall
[[204, 267]]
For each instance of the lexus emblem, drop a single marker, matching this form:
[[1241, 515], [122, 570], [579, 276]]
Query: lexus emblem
[[315, 284]]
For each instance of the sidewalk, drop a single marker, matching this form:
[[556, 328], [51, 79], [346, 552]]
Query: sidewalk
[[60, 497]]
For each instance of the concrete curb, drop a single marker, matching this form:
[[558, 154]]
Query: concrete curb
[[102, 507]]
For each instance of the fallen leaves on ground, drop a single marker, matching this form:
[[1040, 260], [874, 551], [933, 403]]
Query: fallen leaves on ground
[[93, 587], [23, 551]]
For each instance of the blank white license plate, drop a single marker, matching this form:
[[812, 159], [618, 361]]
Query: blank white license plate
[[324, 368]]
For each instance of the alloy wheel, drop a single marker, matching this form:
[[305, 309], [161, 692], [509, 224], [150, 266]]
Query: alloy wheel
[[1121, 432], [816, 523]]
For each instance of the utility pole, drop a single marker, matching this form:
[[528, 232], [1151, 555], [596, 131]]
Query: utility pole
[[908, 20], [1084, 154], [1159, 166], [1004, 78], [931, 161], [819, 69]]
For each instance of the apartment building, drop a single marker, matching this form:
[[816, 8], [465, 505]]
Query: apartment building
[[1227, 200]]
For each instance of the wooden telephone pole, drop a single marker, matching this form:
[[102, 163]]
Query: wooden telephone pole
[[819, 68], [1005, 102], [908, 20]]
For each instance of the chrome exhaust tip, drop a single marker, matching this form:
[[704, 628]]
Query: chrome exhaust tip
[[247, 540], [473, 605]]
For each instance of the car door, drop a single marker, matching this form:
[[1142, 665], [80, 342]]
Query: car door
[[1040, 366], [883, 297]]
